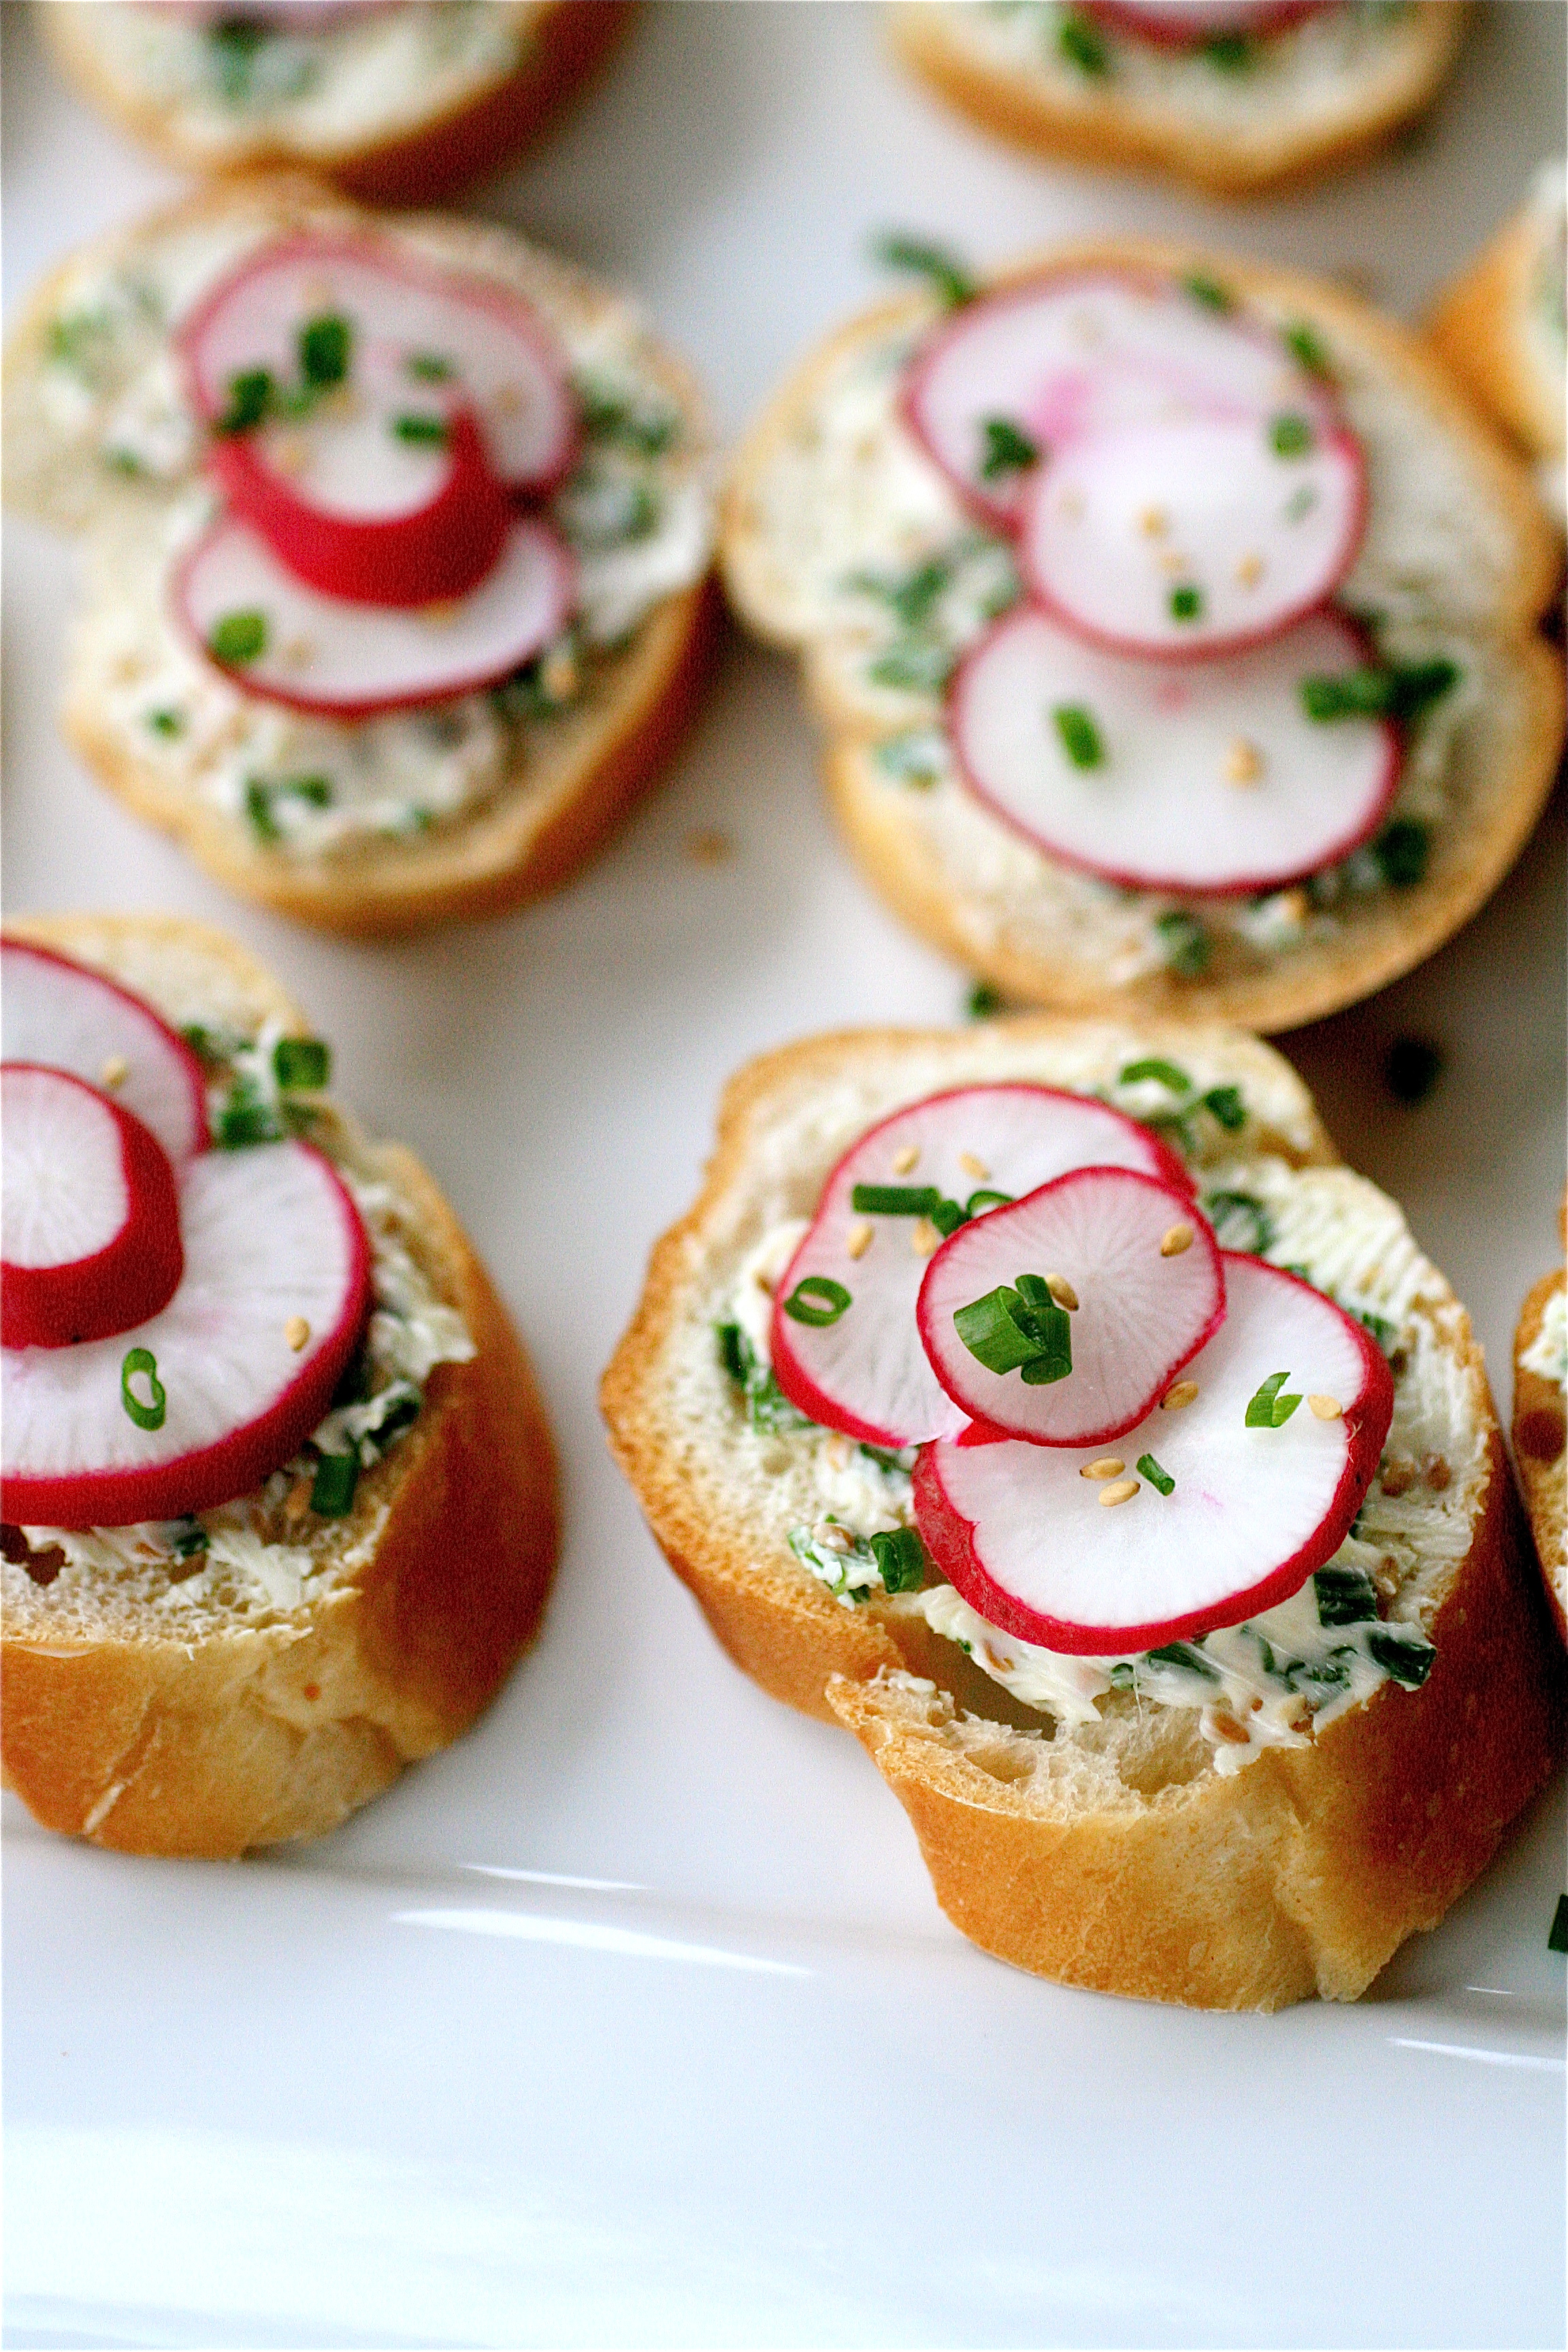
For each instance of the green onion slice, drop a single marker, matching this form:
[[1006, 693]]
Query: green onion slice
[[1268, 1409], [978, 1203], [1007, 450], [1081, 738], [816, 1299], [1018, 1330], [1167, 1074], [301, 1062], [332, 1489], [895, 1199], [1149, 1469], [324, 350], [239, 637], [901, 1559], [141, 1362]]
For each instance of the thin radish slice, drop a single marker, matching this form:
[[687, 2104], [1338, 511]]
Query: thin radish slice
[[1197, 536], [860, 1367], [272, 1243], [58, 1013], [1058, 1548], [1182, 24], [89, 1214], [1194, 776], [418, 336], [1064, 1318], [277, 638], [1086, 351]]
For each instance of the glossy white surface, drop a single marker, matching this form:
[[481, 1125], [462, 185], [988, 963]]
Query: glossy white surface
[[631, 2019]]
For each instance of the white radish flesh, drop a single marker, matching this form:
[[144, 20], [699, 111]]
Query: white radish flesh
[[271, 1239], [1197, 537], [324, 654], [1139, 1272], [89, 1212], [1082, 350], [1190, 776], [58, 1013], [1062, 1559], [865, 1370]]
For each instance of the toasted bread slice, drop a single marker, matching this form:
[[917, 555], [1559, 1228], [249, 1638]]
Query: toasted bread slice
[[529, 792], [830, 487], [293, 1677], [1541, 1426], [1313, 98], [1117, 1846], [452, 92], [1501, 328]]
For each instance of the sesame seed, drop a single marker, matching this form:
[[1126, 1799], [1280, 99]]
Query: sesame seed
[[1177, 566], [299, 652], [997, 1665], [1397, 1476], [1438, 1475], [1243, 763], [905, 1160], [1070, 505], [972, 1167], [1178, 1238], [115, 1071], [1062, 1291], [441, 614], [925, 1238], [1249, 570], [1122, 1492], [1327, 1408], [506, 400], [1109, 1465], [860, 1237], [289, 454], [295, 1331], [1153, 522], [1182, 1395]]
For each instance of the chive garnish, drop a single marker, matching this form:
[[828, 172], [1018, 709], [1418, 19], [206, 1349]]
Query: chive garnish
[[1149, 1469], [324, 350], [1209, 292], [978, 1203], [249, 398], [1186, 943], [1007, 450], [1345, 1596], [947, 276], [1557, 1934], [1404, 1657], [1225, 1104], [1412, 1068], [301, 1063], [1240, 1222], [191, 1539], [915, 664], [259, 810], [429, 367], [895, 1199], [816, 1299], [1186, 601], [1184, 1653], [239, 637], [421, 427], [1079, 42], [1402, 850], [166, 722], [1229, 52], [1019, 1329], [901, 1559], [1167, 1074], [1289, 435], [1268, 1409], [735, 1350], [142, 1363], [332, 1488], [1305, 345], [1081, 738], [984, 1001]]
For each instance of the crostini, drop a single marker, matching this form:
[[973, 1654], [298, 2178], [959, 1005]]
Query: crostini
[[1541, 1424], [1501, 328]]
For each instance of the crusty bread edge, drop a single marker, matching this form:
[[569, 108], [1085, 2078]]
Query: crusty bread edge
[[1538, 1415], [1479, 325], [251, 1736], [1120, 135]]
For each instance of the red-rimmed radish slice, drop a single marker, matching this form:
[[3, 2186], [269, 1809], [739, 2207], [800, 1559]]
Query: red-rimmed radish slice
[[1080, 1564], [272, 1242], [1182, 24], [415, 320], [1194, 776], [288, 643], [89, 1210], [1197, 536], [57, 1011], [1086, 350], [1137, 1274], [439, 541], [863, 1369], [282, 15]]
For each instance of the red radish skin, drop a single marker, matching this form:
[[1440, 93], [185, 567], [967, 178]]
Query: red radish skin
[[509, 367], [91, 1215], [1184, 24], [1123, 520], [1232, 1541], [270, 1233], [1165, 808], [439, 551], [879, 1387], [1141, 1315], [56, 1011], [343, 660]]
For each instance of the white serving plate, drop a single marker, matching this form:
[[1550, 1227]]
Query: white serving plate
[[632, 2020]]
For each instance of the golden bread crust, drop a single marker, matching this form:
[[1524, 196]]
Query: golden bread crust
[[1479, 327], [1540, 1448]]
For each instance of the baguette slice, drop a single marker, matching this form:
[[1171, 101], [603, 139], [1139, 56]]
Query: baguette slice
[[1498, 327], [204, 1726], [1318, 97], [1455, 531], [567, 778], [1114, 1855], [1541, 1436], [433, 138]]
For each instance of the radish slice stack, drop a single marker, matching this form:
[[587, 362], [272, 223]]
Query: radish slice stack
[[376, 420], [176, 1317], [1186, 500]]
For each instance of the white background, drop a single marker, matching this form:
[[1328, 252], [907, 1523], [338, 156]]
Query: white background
[[632, 2018]]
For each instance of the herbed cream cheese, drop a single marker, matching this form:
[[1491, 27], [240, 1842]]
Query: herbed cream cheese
[[1547, 1354]]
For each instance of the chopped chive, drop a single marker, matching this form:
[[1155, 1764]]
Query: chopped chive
[[246, 1119], [816, 1299], [142, 1363], [978, 1203], [324, 350], [947, 1216], [1229, 52], [1268, 1409], [1081, 738], [301, 1063], [249, 398], [1346, 1596], [1209, 292], [332, 1488], [1411, 1068], [1557, 1934], [900, 1558], [1240, 1222], [259, 810], [1378, 690], [1019, 1329], [1183, 1653], [429, 367], [1149, 1469], [1081, 45], [1186, 943], [946, 275], [1186, 601], [1168, 1074], [607, 416], [239, 637], [191, 1539], [913, 759], [1227, 1108], [1404, 1657], [1289, 435], [422, 427], [983, 1002], [911, 597], [124, 461], [735, 1350], [166, 722], [1402, 850], [234, 41], [1007, 451], [1304, 344], [316, 790], [895, 1199], [914, 665]]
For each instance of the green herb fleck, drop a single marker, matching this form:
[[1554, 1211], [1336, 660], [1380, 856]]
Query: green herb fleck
[[1346, 1596], [142, 1363], [946, 275], [189, 1537], [1186, 601], [1225, 1104], [1081, 43], [1229, 53], [1149, 1469], [234, 41], [1289, 435], [816, 1299], [914, 759], [915, 664], [259, 810], [1186, 944], [1007, 451], [79, 343], [249, 398], [239, 637], [1209, 292], [429, 367], [1268, 1409], [910, 596], [125, 462], [1165, 1073], [894, 1199], [1411, 1068], [985, 1198], [1018, 1330], [983, 1002], [1404, 1657], [734, 1349], [332, 1488], [324, 345], [1378, 690], [166, 722], [1081, 738], [1402, 850], [301, 1063], [901, 1559], [1183, 1653], [245, 1118], [422, 428], [1557, 1934], [1305, 345], [606, 416]]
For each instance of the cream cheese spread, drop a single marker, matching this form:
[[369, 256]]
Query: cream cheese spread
[[1547, 1354]]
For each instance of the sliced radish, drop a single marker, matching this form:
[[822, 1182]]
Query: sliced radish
[[288, 643], [1196, 536], [1197, 776], [861, 1367], [408, 321], [1064, 1319], [60, 1013], [272, 1243], [1094, 1558], [1086, 350], [89, 1214], [1182, 24]]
